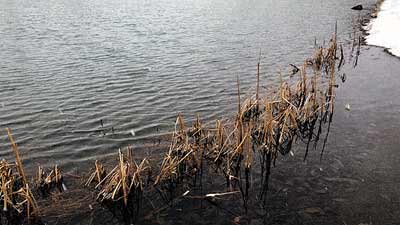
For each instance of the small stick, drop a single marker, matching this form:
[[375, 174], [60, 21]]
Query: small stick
[[105, 178], [123, 178], [258, 78]]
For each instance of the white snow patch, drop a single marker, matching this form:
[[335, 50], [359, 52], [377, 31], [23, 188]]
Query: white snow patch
[[384, 31]]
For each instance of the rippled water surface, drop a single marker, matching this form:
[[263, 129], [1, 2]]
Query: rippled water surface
[[66, 65]]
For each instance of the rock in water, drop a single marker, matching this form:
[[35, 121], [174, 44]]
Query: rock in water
[[357, 7], [314, 210]]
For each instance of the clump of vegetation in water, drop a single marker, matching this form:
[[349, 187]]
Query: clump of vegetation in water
[[48, 181], [121, 190]]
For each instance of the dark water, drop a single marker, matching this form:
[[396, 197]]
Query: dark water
[[66, 65]]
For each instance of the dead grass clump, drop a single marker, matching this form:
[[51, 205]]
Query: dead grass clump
[[11, 183], [121, 190], [48, 181], [16, 199], [184, 159]]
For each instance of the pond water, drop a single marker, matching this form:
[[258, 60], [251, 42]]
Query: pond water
[[67, 68]]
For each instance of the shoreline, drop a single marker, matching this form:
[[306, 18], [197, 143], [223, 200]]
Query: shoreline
[[384, 49]]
